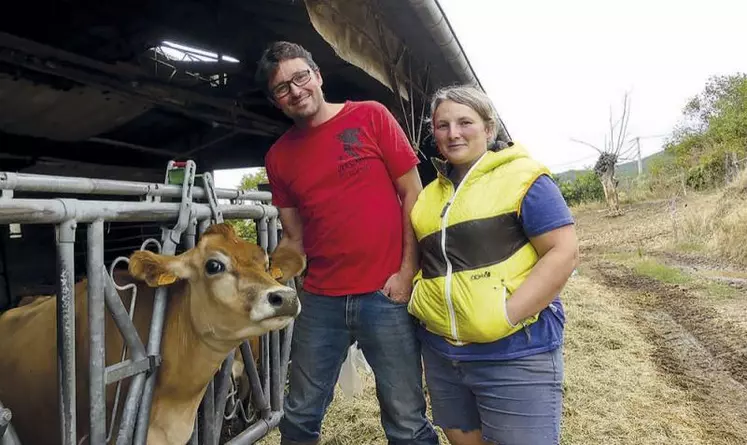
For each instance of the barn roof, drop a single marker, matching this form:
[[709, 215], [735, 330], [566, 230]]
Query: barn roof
[[107, 87]]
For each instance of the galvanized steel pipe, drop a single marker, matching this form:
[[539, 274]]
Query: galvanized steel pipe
[[55, 211], [8, 434], [207, 415], [185, 213], [96, 327], [259, 400], [276, 386], [258, 430], [66, 330], [26, 182]]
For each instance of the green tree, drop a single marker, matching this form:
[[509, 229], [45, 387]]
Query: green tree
[[712, 132], [585, 187], [246, 228], [252, 180]]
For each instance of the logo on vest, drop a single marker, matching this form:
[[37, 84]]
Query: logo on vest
[[480, 276]]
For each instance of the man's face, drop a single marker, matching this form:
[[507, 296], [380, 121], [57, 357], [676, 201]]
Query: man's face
[[296, 89]]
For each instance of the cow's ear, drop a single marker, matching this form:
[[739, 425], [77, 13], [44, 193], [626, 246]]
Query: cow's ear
[[286, 263], [158, 270]]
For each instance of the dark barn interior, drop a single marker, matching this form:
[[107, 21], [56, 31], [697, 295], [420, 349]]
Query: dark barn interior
[[94, 89]]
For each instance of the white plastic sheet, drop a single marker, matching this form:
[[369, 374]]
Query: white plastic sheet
[[349, 379]]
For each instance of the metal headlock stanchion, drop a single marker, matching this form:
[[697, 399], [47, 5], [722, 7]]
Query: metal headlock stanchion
[[140, 360]]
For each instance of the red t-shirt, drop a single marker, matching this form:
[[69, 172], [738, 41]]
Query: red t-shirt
[[340, 176]]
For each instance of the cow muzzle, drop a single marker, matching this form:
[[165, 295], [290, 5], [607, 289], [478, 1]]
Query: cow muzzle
[[284, 302]]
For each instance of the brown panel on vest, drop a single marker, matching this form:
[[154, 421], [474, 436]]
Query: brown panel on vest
[[473, 244]]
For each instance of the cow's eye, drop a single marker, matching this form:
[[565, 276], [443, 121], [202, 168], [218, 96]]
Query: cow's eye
[[213, 267]]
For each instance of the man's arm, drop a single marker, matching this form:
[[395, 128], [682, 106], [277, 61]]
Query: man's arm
[[408, 189], [291, 244], [399, 285]]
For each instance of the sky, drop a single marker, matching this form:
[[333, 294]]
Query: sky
[[556, 68]]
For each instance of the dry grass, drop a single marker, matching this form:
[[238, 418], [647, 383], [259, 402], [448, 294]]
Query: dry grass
[[722, 227], [731, 238], [613, 391], [641, 226], [351, 420], [712, 224], [589, 206]]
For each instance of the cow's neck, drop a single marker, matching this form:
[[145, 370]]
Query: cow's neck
[[188, 365]]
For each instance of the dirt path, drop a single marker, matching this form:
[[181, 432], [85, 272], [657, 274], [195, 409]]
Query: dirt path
[[705, 267], [695, 347], [698, 336]]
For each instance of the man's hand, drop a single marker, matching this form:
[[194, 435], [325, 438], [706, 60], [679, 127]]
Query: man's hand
[[398, 287]]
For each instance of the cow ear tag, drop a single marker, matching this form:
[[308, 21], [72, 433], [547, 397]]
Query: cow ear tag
[[275, 272], [165, 279]]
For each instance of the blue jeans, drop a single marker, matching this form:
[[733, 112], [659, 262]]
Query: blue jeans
[[385, 332], [512, 402]]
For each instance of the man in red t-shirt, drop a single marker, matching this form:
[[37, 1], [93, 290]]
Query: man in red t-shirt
[[344, 180]]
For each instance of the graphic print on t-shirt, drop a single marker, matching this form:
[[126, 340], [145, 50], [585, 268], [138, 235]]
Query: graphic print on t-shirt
[[351, 161], [350, 141]]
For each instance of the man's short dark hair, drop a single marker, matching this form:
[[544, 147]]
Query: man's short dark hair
[[276, 53]]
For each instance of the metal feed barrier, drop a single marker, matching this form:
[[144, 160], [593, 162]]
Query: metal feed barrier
[[189, 217]]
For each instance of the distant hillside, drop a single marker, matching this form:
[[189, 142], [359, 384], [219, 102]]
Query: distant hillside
[[622, 170]]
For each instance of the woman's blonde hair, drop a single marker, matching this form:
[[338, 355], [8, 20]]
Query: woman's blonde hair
[[473, 98]]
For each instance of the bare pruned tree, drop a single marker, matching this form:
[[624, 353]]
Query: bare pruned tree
[[612, 150]]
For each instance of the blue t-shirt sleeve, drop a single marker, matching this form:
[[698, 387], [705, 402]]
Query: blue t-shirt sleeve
[[544, 208]]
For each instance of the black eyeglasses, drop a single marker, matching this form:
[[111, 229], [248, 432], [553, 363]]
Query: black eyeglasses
[[299, 79]]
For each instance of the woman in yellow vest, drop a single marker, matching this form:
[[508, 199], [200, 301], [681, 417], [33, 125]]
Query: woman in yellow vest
[[497, 245]]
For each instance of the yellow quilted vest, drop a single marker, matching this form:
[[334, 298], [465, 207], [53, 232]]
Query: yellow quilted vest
[[472, 246]]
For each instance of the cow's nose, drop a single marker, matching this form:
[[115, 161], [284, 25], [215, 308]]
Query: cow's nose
[[285, 302], [277, 298]]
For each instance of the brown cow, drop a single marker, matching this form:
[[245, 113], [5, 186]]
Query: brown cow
[[220, 294]]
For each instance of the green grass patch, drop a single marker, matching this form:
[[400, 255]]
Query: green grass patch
[[690, 247], [722, 291], [624, 257], [661, 272]]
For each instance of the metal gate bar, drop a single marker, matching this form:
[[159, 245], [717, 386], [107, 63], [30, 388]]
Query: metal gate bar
[[207, 415], [66, 329], [170, 240], [25, 182], [137, 351], [7, 433], [276, 393], [56, 211], [263, 239], [96, 327], [257, 431], [222, 385], [267, 389]]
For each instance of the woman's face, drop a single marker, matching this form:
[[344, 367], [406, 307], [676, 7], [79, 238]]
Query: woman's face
[[461, 134]]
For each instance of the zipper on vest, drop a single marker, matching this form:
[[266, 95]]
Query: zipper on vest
[[449, 267], [446, 208]]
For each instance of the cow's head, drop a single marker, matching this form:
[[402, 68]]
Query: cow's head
[[232, 294]]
